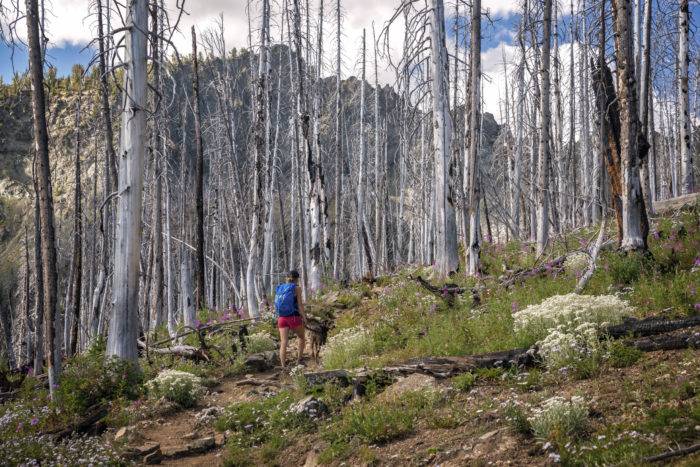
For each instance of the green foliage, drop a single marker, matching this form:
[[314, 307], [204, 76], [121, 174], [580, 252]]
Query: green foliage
[[378, 421], [517, 419], [464, 382], [625, 268], [620, 355], [90, 379], [260, 423]]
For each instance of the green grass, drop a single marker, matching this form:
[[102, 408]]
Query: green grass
[[376, 422]]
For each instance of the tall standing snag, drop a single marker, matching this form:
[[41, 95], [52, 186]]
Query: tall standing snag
[[124, 323], [544, 152], [687, 178], [633, 146], [446, 226], [472, 175], [199, 176], [44, 192]]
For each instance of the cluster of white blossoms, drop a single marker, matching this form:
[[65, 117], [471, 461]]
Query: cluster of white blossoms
[[558, 415], [347, 343], [178, 386], [577, 262], [562, 345], [568, 326], [570, 311], [261, 341]]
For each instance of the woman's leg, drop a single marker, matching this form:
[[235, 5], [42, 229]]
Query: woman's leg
[[284, 337], [302, 341]]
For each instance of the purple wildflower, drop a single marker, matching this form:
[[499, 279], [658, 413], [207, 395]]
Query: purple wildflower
[[514, 307], [656, 234], [697, 262], [697, 307], [20, 426], [34, 421]]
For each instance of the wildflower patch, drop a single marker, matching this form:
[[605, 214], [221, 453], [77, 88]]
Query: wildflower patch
[[569, 311], [559, 418], [180, 387]]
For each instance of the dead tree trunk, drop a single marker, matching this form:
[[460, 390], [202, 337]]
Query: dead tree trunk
[[44, 192], [75, 302], [544, 153], [687, 178], [633, 145], [124, 323], [199, 176], [447, 259]]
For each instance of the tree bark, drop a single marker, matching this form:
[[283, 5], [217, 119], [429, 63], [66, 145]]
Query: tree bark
[[447, 259], [633, 146], [44, 193], [687, 178], [545, 118], [124, 323]]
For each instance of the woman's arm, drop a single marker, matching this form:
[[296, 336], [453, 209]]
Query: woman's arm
[[300, 302]]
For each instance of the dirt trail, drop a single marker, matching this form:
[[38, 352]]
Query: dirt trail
[[188, 438]]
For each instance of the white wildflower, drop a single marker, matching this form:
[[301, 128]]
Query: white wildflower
[[570, 311], [576, 262], [177, 386], [558, 415]]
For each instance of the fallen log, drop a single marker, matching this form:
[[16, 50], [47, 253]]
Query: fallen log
[[446, 292], [185, 351], [203, 328], [447, 367], [677, 203], [85, 424], [649, 326], [593, 256], [687, 340], [669, 454], [556, 265]]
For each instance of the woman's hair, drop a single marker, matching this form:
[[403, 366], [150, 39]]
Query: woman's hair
[[292, 275]]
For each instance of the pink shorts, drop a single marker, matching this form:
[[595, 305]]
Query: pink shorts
[[292, 322]]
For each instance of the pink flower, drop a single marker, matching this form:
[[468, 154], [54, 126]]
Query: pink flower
[[697, 307], [514, 307], [697, 262]]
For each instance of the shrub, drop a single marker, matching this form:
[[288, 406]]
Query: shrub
[[517, 419], [180, 387], [260, 342], [620, 355], [90, 379], [576, 263], [43, 450], [558, 418], [570, 311], [381, 421], [563, 347], [464, 382], [346, 348], [625, 268]]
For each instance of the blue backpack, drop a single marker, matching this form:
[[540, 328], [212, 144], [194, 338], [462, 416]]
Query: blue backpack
[[286, 300]]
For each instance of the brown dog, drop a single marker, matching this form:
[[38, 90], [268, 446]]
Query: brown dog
[[317, 330]]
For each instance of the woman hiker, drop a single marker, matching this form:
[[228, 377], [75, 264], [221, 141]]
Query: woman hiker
[[290, 311]]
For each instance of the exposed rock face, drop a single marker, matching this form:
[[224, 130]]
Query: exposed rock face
[[310, 407], [414, 382]]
